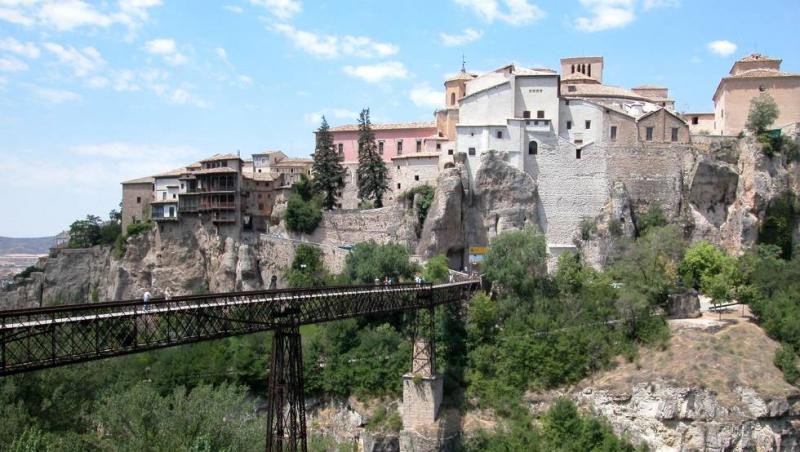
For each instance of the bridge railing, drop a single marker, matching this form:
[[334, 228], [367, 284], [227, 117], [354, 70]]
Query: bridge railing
[[50, 336]]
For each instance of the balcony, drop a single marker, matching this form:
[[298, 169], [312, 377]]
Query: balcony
[[537, 125], [215, 189], [175, 218], [217, 206]]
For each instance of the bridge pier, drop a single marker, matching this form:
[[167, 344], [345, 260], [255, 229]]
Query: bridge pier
[[286, 419]]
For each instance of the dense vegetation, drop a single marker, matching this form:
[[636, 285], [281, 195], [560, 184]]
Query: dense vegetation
[[304, 209], [372, 174], [327, 168], [762, 114], [93, 231]]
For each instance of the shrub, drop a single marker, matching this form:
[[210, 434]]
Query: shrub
[[702, 261], [615, 227], [654, 217], [517, 261], [141, 227], [588, 228], [28, 270], [420, 197], [301, 215], [786, 360], [436, 269], [307, 269], [779, 223], [763, 112], [368, 261]]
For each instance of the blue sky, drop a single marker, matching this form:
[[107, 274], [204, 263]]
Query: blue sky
[[92, 93]]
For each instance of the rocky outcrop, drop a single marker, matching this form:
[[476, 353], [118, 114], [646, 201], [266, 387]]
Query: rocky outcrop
[[614, 222], [443, 231], [684, 305]]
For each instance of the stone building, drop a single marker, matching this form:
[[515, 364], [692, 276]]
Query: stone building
[[748, 78], [136, 197]]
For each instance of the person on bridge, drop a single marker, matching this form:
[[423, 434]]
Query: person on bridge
[[146, 299]]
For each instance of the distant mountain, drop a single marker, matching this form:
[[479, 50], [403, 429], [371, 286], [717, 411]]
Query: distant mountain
[[34, 245]]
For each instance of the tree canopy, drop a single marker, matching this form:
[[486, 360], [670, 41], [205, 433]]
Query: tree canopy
[[763, 112], [372, 174], [327, 167]]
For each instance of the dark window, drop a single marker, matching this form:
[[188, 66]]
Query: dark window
[[573, 68], [533, 148], [540, 114], [419, 145], [578, 141], [138, 200], [449, 152], [499, 134], [380, 147], [566, 102], [761, 88], [225, 163], [438, 146], [399, 147], [260, 206], [674, 134], [398, 186], [590, 71], [571, 88], [613, 132], [569, 125], [577, 153], [526, 114], [649, 134], [588, 125], [416, 177], [341, 148], [175, 196], [471, 151], [452, 98], [181, 186], [695, 120]]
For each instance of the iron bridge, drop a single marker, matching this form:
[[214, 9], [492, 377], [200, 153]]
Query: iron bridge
[[39, 338]]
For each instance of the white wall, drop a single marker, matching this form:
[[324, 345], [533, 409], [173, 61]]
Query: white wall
[[579, 112], [492, 106], [534, 93], [166, 188]]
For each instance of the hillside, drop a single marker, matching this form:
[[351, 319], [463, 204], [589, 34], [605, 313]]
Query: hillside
[[28, 245]]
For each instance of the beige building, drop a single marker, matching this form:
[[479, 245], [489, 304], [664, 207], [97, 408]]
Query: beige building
[[750, 77], [700, 123], [136, 197]]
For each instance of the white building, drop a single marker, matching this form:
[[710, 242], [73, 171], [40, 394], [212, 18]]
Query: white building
[[166, 188]]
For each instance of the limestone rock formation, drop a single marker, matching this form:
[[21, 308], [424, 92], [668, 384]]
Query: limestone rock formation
[[443, 231], [613, 222]]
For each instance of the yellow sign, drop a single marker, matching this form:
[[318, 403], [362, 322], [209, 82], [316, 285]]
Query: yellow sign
[[478, 250]]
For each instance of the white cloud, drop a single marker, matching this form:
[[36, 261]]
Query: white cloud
[[465, 37], [221, 53], [425, 96], [26, 49], [512, 12], [336, 114], [82, 61], [181, 96], [56, 96], [378, 72], [331, 46], [66, 15], [167, 49], [234, 9], [282, 9], [722, 47], [12, 64], [244, 80], [606, 15], [650, 4]]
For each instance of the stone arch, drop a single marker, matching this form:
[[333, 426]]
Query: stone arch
[[533, 148]]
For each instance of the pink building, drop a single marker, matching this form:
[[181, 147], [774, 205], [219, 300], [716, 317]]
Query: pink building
[[393, 139]]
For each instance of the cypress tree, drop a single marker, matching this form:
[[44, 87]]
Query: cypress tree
[[372, 172], [327, 168]]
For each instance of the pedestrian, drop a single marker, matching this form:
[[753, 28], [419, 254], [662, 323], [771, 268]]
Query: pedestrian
[[452, 278], [146, 299], [167, 295]]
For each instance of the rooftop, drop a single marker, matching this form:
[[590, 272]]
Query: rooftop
[[756, 57], [261, 177], [387, 126], [141, 180], [216, 157], [578, 76], [293, 162], [597, 90], [461, 75]]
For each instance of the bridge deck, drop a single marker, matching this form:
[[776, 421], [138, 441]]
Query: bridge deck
[[44, 337]]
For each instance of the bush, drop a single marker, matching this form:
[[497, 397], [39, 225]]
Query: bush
[[420, 197], [517, 261], [786, 361], [588, 228], [141, 227], [307, 269], [369, 261], [28, 271], [702, 261], [779, 223], [654, 217], [436, 269], [763, 112], [615, 227], [301, 215]]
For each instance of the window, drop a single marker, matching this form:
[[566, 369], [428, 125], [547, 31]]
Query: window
[[398, 186], [416, 177], [341, 148], [449, 152], [380, 147], [674, 134], [419, 145], [590, 70], [452, 98], [649, 134], [573, 68], [526, 114], [399, 147], [569, 125], [577, 153], [566, 102], [588, 125], [438, 146], [540, 114], [761, 88], [259, 170], [181, 186], [163, 195], [571, 88], [175, 196], [533, 148], [695, 120], [499, 134], [613, 132], [138, 200], [471, 151], [260, 206], [225, 163]]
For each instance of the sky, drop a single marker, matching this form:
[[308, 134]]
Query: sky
[[96, 92]]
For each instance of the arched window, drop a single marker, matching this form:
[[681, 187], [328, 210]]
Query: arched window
[[533, 148], [452, 98]]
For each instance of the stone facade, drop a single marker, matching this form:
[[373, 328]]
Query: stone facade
[[422, 397], [136, 196]]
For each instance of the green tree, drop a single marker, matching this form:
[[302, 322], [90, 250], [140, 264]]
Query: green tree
[[327, 167], [780, 222], [435, 269], [369, 261], [303, 211], [517, 261], [763, 112], [372, 173], [703, 261], [85, 233], [307, 269]]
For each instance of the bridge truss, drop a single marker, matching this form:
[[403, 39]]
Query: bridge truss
[[32, 339]]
